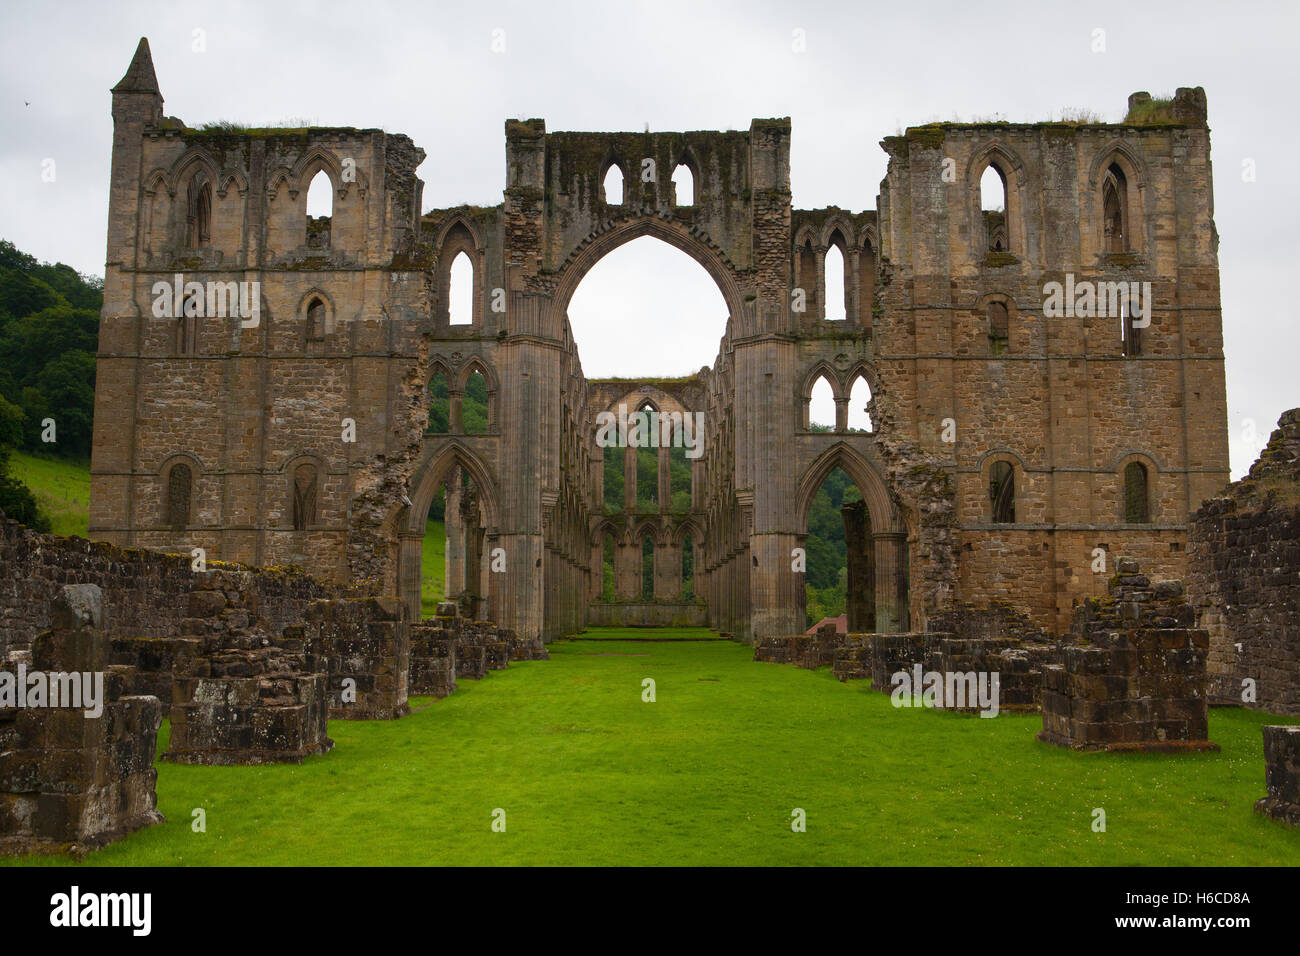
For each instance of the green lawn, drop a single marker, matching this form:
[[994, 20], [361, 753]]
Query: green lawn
[[433, 573], [62, 490], [709, 774]]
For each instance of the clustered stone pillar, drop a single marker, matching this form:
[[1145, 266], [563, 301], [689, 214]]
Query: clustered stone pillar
[[455, 529], [860, 588], [72, 780], [891, 581]]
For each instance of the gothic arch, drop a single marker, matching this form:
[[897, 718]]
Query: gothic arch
[[823, 369], [598, 245], [434, 470], [847, 232], [180, 170], [1015, 178], [885, 515]]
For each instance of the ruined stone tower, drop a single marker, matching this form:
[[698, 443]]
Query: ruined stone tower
[[1008, 444]]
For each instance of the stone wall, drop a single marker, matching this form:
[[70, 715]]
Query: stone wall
[[71, 782], [647, 615], [1133, 676], [1281, 775], [363, 645], [1244, 578], [246, 696], [145, 594]]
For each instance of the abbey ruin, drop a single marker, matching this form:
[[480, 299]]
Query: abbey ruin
[[1009, 450]]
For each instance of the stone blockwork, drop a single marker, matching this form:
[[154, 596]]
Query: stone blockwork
[[990, 640], [1244, 578], [72, 781], [244, 696], [1281, 775], [363, 645], [1133, 676], [145, 596], [1108, 436]]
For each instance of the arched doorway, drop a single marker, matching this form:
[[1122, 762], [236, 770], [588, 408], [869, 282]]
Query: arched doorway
[[875, 534]]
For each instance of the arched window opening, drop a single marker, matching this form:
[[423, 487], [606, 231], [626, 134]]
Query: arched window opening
[[613, 479], [474, 404], [839, 577], [199, 212], [320, 211], [179, 486], [317, 319], [808, 274], [1114, 215], [993, 208], [1130, 334], [612, 186], [836, 308], [821, 406], [684, 185], [1002, 492], [460, 290], [439, 405], [1137, 508], [647, 568], [999, 328], [688, 568], [187, 324], [647, 459], [607, 569], [304, 497], [859, 397]]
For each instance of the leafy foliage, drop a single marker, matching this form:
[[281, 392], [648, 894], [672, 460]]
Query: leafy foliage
[[49, 332], [17, 500]]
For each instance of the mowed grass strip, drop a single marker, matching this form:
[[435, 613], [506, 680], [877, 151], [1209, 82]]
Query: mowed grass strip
[[589, 773]]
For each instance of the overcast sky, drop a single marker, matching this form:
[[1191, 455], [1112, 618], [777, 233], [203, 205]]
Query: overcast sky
[[868, 70]]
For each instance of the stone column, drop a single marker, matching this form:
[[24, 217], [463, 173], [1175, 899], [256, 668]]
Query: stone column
[[665, 482], [410, 555], [891, 582], [455, 528], [629, 479]]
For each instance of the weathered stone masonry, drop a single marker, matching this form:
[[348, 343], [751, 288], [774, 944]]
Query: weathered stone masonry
[[1244, 578], [204, 428]]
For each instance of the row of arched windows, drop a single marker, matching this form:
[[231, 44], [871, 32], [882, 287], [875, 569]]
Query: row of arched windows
[[198, 211], [999, 328], [648, 558], [822, 405], [1002, 493], [303, 492], [999, 210], [828, 290], [612, 191]]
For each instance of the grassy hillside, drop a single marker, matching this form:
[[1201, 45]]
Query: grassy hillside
[[61, 487]]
